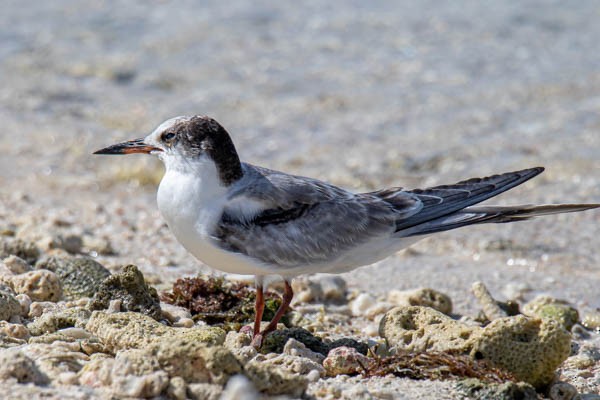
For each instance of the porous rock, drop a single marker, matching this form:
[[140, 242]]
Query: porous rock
[[9, 306], [14, 364], [421, 297], [418, 329], [59, 318], [546, 307], [129, 330], [272, 378], [320, 287], [28, 251], [39, 285], [345, 360], [131, 289], [275, 341], [475, 389], [531, 349], [16, 265], [79, 276], [239, 388], [16, 331]]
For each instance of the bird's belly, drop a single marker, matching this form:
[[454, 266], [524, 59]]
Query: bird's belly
[[206, 251]]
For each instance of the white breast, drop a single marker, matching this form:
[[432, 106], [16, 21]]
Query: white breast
[[192, 204]]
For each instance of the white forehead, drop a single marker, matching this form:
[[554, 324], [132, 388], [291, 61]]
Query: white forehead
[[169, 124]]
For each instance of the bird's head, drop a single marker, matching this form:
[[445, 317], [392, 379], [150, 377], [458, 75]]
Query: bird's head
[[186, 142]]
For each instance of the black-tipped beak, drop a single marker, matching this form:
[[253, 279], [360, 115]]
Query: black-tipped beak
[[130, 147]]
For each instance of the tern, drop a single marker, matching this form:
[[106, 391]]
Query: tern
[[243, 219]]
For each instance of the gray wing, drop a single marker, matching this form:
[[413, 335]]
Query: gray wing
[[306, 221], [444, 200]]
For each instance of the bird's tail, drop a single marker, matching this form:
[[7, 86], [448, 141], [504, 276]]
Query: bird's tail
[[493, 214]]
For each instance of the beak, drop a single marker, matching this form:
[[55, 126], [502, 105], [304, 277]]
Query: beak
[[130, 147]]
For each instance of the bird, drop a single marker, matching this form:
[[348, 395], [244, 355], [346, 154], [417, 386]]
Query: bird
[[241, 218]]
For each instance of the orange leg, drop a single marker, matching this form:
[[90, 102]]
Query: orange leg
[[259, 308], [288, 294]]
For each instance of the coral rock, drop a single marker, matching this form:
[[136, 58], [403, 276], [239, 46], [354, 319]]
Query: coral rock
[[129, 330], [26, 250], [130, 287], [15, 364], [421, 297], [9, 306], [345, 360], [16, 265], [79, 276], [546, 307], [420, 329], [531, 349], [53, 320], [274, 379], [16, 331], [39, 285]]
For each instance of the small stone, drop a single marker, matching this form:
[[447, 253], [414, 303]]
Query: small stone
[[175, 314], [130, 287], [24, 303], [39, 285], [334, 287], [361, 304], [562, 391], [239, 388], [422, 297], [61, 318], [16, 331], [9, 306], [591, 321], [546, 307], [204, 391], [490, 306], [98, 245], [71, 243], [147, 385], [37, 308], [345, 361], [28, 251], [79, 276], [14, 364], [319, 287], [177, 388], [273, 379], [16, 265], [476, 389], [295, 348], [275, 341]]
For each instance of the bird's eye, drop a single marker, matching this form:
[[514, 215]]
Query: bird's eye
[[168, 136]]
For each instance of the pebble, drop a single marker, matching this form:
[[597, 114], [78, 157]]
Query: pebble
[[79, 276], [421, 297], [39, 285], [24, 303], [16, 265], [239, 388], [562, 391], [17, 331], [345, 360], [15, 364], [361, 304], [9, 306], [591, 321]]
